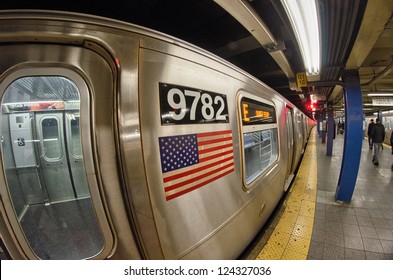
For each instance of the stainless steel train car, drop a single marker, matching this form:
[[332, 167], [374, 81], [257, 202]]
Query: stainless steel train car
[[119, 142]]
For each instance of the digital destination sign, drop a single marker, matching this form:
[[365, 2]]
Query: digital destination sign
[[254, 112]]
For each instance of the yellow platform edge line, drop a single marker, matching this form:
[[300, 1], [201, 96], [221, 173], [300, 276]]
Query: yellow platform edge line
[[291, 237]]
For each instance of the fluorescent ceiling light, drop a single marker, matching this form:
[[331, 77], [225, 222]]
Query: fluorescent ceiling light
[[303, 16], [383, 94], [313, 98]]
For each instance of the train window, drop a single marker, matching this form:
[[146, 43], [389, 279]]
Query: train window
[[50, 139], [260, 140], [75, 143], [45, 171]]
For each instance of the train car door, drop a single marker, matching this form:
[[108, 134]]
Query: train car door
[[290, 149], [51, 204], [54, 156], [75, 155]]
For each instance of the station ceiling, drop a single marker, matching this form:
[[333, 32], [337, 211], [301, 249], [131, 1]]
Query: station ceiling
[[354, 34]]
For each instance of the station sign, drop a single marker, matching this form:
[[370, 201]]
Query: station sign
[[383, 101]]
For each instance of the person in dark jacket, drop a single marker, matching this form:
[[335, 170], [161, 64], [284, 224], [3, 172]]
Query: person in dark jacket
[[377, 135], [369, 129]]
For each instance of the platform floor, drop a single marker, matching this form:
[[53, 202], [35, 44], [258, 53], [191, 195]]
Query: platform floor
[[311, 225]]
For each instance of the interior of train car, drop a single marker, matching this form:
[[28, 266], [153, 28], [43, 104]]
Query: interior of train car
[[44, 167]]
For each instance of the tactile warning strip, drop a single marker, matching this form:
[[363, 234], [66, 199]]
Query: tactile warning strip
[[291, 237]]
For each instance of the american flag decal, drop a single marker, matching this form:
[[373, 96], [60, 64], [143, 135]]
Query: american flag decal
[[192, 161]]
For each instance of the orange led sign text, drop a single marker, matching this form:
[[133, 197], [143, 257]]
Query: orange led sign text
[[254, 112]]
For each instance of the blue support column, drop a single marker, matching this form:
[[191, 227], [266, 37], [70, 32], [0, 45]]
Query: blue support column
[[330, 130], [352, 138]]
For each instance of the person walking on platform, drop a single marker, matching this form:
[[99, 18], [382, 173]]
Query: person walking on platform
[[377, 135], [369, 129]]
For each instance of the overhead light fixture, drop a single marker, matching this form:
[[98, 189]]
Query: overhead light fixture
[[313, 98], [303, 16], [382, 94]]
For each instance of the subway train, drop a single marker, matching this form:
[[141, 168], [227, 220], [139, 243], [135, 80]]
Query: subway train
[[120, 142]]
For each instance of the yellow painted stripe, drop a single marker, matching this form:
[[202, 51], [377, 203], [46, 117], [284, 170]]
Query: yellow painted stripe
[[291, 238]]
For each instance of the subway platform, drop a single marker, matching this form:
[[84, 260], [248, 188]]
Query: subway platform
[[311, 225]]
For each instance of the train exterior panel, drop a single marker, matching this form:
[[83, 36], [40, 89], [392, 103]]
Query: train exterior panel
[[119, 142]]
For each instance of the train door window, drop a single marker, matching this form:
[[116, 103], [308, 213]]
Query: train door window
[[75, 143], [259, 137], [51, 138], [44, 168]]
